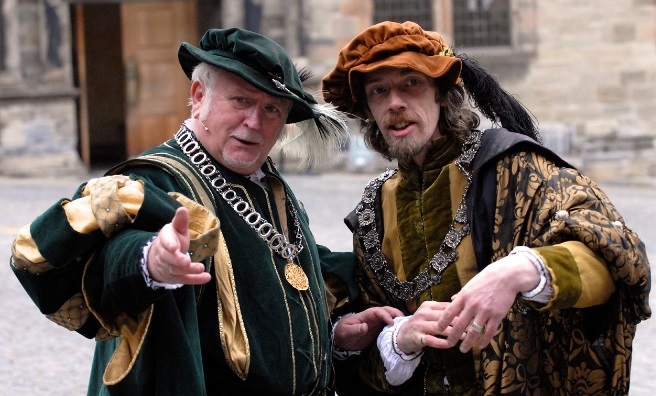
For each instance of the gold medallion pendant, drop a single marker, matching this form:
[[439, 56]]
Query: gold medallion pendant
[[296, 277]]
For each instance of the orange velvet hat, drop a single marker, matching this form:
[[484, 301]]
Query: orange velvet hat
[[387, 44]]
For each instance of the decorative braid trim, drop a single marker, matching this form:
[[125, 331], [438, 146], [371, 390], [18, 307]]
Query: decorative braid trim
[[446, 254]]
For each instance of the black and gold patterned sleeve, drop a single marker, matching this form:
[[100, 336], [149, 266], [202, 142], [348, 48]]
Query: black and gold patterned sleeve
[[572, 223]]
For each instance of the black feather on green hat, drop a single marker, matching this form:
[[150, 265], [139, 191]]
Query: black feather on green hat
[[264, 64]]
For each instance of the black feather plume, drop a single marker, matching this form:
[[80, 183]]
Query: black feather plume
[[305, 74], [494, 102]]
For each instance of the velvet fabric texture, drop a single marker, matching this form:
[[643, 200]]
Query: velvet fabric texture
[[560, 348], [178, 342], [423, 193], [424, 213], [255, 58], [387, 44]]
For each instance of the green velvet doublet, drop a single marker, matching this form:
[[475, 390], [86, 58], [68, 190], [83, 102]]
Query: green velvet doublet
[[423, 215], [423, 202], [265, 337]]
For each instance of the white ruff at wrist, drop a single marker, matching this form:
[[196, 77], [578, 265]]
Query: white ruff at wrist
[[398, 365], [316, 141], [150, 282], [543, 292]]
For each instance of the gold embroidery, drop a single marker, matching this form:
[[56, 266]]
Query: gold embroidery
[[72, 314]]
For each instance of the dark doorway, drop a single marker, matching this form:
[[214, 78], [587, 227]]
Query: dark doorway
[[132, 91], [105, 83]]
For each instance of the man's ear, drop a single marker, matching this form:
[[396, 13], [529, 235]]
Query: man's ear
[[197, 92]]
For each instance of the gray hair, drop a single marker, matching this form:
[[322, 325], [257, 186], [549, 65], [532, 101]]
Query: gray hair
[[314, 141], [207, 75]]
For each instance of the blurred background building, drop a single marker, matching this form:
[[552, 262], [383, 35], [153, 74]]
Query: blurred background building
[[86, 83]]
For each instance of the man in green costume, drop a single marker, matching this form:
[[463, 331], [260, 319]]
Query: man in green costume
[[193, 265], [515, 272]]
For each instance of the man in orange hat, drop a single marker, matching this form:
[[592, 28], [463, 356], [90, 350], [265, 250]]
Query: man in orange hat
[[515, 272]]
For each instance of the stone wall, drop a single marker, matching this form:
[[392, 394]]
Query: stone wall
[[586, 70], [594, 66], [36, 138], [38, 116], [595, 69]]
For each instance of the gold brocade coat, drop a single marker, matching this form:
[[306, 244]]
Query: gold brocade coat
[[580, 342]]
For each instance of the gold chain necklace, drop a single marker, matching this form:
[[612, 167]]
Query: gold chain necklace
[[266, 231], [446, 254]]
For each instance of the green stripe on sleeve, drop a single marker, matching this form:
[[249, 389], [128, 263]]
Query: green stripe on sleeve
[[566, 279]]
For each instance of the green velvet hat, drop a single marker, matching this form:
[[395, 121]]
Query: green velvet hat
[[255, 58]]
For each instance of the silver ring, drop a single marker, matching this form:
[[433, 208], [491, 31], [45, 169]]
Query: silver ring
[[476, 327], [421, 340]]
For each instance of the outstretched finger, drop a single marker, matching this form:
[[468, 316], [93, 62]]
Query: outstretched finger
[[180, 224], [194, 279], [434, 342]]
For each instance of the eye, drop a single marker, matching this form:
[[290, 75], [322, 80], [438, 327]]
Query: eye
[[272, 110], [240, 102], [376, 90], [412, 82]]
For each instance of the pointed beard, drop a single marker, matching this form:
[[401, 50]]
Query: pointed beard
[[404, 149]]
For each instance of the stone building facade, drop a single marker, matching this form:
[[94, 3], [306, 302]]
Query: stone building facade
[[38, 117], [586, 70]]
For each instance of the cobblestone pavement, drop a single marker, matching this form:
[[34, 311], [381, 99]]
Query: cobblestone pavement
[[38, 357]]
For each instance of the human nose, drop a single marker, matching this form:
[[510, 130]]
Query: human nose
[[396, 101], [254, 118]]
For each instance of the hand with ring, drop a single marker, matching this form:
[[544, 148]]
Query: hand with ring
[[421, 329], [480, 306], [473, 326]]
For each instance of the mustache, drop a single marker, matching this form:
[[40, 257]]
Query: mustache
[[397, 119], [251, 137]]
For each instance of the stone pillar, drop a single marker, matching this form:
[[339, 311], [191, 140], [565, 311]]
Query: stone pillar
[[38, 115]]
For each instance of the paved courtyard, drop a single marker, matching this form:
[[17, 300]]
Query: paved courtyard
[[38, 357]]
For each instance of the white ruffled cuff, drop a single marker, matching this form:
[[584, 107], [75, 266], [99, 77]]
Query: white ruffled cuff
[[398, 365], [543, 292], [153, 284]]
